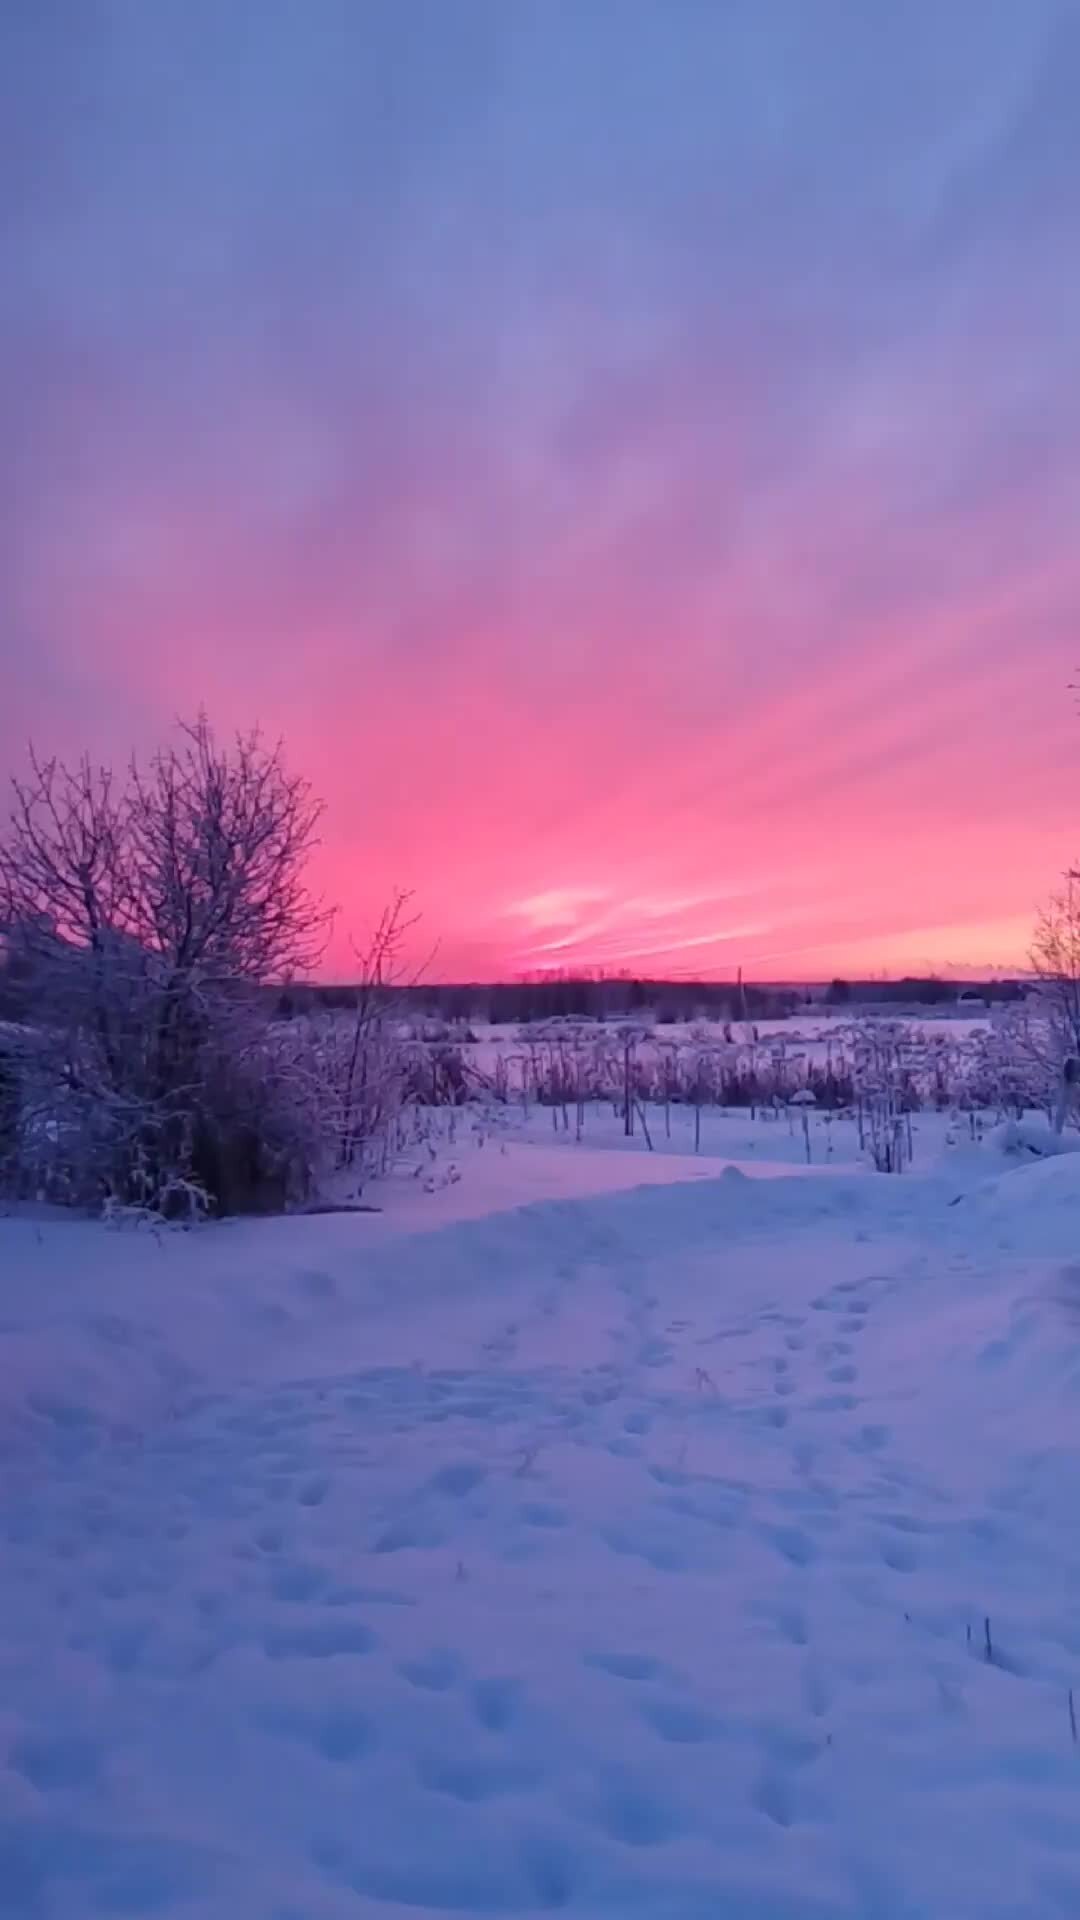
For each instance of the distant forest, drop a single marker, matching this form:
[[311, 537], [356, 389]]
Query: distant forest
[[614, 998]]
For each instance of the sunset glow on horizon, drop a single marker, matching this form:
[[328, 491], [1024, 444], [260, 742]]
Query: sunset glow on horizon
[[630, 452]]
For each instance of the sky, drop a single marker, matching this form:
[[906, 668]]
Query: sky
[[628, 449]]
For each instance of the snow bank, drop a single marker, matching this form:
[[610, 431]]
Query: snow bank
[[1034, 1210], [1034, 1139]]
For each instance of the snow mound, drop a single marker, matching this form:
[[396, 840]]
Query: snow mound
[[1033, 1139], [1039, 1201]]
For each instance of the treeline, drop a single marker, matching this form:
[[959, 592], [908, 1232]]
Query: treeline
[[514, 1002], [930, 991]]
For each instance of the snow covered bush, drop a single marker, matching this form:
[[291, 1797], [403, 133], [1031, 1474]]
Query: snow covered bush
[[1033, 1140], [1031, 1056], [148, 918], [1055, 957]]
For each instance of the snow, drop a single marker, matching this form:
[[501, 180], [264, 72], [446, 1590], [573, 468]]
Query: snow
[[1035, 1139], [652, 1536], [814, 1038]]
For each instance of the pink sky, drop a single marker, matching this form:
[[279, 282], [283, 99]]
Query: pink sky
[[653, 532]]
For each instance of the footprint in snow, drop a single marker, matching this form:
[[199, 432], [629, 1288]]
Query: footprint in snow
[[794, 1544], [792, 1623], [654, 1353], [637, 1816], [473, 1781], [340, 1733], [900, 1556], [53, 1762], [458, 1478], [773, 1797], [314, 1492], [539, 1513], [296, 1581], [679, 1722], [434, 1672], [669, 1476], [496, 1701], [816, 1694], [625, 1666], [322, 1640]]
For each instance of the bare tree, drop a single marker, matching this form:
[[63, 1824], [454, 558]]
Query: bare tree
[[147, 918], [1052, 1035], [373, 1090], [1055, 958], [361, 1066], [219, 842]]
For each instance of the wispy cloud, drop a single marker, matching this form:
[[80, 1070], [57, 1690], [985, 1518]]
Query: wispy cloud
[[630, 451]]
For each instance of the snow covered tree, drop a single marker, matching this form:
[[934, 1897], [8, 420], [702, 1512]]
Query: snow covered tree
[[1047, 1032], [147, 918]]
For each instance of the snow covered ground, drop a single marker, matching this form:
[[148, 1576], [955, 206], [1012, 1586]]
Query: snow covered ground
[[601, 1532], [814, 1037]]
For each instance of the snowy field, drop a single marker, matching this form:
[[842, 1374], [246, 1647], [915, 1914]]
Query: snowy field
[[811, 1037], [597, 1531]]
